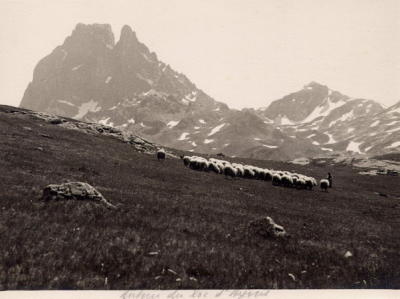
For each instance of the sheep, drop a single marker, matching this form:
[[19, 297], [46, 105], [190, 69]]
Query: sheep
[[200, 164], [230, 171], [212, 166], [239, 169], [268, 175], [276, 179], [248, 172], [301, 183], [287, 180], [309, 183], [161, 154], [186, 160], [324, 184], [197, 163]]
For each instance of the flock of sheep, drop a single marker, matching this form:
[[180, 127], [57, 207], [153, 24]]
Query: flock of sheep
[[277, 177]]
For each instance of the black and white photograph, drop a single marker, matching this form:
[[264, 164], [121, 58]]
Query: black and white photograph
[[233, 146]]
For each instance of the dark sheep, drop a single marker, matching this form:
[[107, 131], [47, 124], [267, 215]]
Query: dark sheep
[[230, 171], [213, 167], [186, 160], [276, 180], [161, 154]]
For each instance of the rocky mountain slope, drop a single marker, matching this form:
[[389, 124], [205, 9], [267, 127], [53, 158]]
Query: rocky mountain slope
[[339, 124], [123, 84]]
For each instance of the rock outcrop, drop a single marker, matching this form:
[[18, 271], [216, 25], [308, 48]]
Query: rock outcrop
[[74, 191]]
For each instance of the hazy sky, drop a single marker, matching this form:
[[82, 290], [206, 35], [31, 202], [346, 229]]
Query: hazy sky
[[245, 53]]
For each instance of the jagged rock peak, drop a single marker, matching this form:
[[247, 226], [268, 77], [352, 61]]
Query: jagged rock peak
[[127, 34], [98, 32]]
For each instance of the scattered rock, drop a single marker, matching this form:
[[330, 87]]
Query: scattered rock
[[172, 271], [39, 148], [55, 121], [73, 191], [348, 254], [381, 194], [27, 128], [267, 228], [45, 135]]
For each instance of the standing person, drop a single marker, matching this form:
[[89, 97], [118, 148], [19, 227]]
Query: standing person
[[330, 179]]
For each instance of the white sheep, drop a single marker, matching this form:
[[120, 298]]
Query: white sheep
[[324, 184]]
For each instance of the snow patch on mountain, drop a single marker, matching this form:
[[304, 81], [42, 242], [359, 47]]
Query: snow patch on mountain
[[149, 81], [183, 136], [90, 106], [105, 121], [286, 121], [216, 129], [66, 103], [331, 139], [394, 110], [269, 146], [323, 110], [108, 79], [394, 145], [347, 116], [393, 130], [368, 148], [375, 123], [172, 123], [354, 147], [392, 123], [75, 68]]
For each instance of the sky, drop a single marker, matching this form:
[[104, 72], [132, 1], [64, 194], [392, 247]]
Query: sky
[[245, 53]]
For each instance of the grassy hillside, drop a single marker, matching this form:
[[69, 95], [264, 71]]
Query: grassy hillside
[[178, 228]]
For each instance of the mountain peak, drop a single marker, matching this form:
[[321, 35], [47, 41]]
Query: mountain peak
[[92, 32], [314, 84], [127, 34]]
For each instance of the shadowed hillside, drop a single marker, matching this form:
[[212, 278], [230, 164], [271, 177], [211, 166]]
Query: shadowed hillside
[[179, 228]]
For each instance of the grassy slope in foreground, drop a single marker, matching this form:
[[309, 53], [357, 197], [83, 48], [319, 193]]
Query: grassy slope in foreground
[[195, 221]]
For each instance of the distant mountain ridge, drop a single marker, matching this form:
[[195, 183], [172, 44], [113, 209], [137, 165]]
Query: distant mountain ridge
[[123, 84]]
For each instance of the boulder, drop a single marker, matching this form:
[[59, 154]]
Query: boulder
[[73, 191], [267, 228]]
